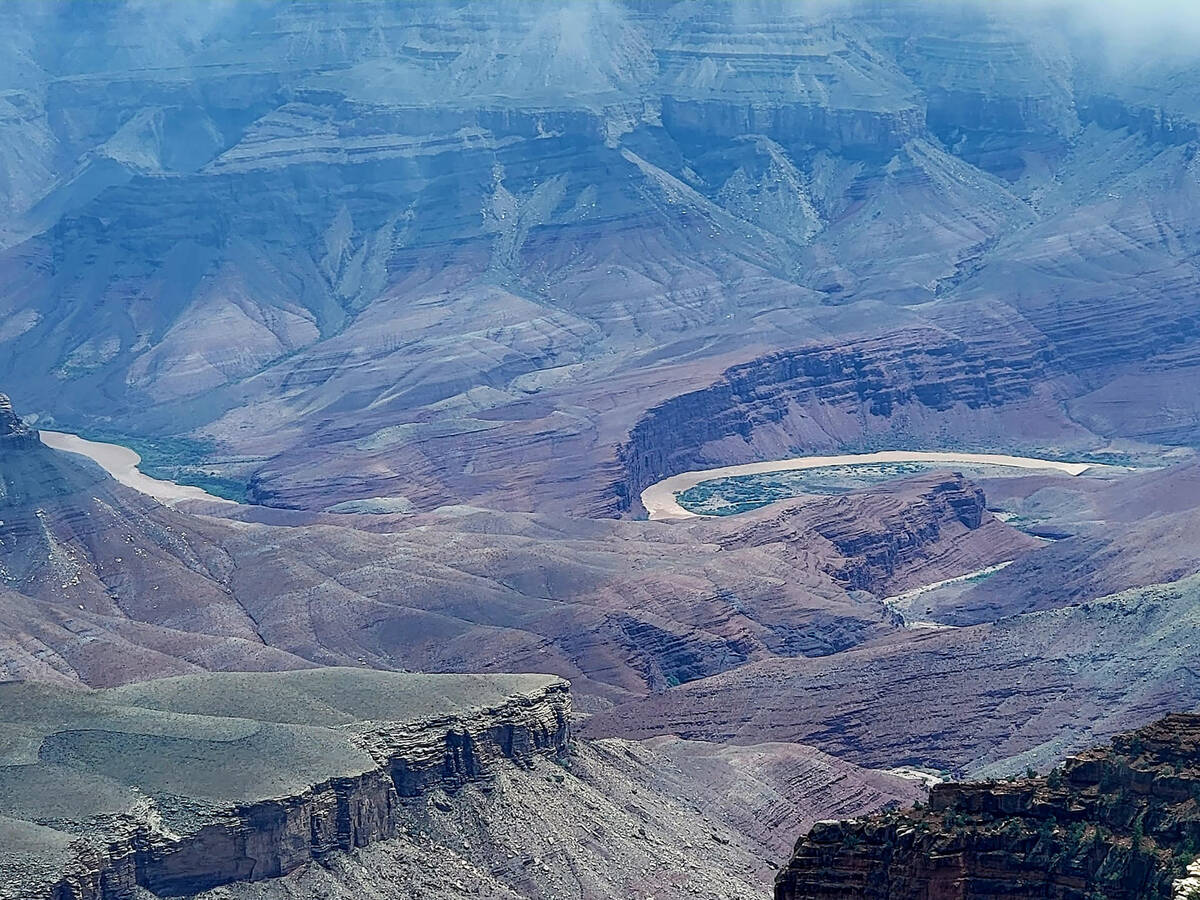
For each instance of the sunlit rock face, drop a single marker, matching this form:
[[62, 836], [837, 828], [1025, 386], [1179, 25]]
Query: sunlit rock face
[[445, 252]]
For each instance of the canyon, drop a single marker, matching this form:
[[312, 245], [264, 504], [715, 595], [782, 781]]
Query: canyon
[[618, 607], [357, 355], [254, 784], [551, 276]]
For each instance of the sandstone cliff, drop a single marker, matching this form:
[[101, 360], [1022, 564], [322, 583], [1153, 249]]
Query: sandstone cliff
[[886, 537], [346, 784], [1117, 822]]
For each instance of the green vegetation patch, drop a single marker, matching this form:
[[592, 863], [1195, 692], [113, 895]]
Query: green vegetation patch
[[183, 460]]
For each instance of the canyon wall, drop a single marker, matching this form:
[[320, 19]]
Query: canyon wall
[[815, 398], [890, 532], [1118, 822]]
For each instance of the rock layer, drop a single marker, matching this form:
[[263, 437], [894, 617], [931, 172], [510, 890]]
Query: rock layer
[[1025, 689], [12, 429], [1119, 822], [821, 396], [886, 535], [182, 785]]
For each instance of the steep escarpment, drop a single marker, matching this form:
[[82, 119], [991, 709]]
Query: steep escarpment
[[622, 819], [1002, 96], [873, 556], [346, 783], [181, 785], [1164, 126], [1119, 822], [797, 81], [32, 475], [817, 397], [13, 431]]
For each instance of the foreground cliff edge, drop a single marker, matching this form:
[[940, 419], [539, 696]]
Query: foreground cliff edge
[[180, 785], [1118, 822], [351, 784]]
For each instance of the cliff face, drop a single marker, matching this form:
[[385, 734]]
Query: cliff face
[[873, 555], [180, 786], [347, 784], [13, 431], [848, 392], [1119, 822], [726, 73], [671, 820]]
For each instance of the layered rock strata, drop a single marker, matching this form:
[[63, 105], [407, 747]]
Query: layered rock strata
[[894, 531], [1118, 822], [182, 785], [1030, 688], [13, 431], [823, 392], [266, 247]]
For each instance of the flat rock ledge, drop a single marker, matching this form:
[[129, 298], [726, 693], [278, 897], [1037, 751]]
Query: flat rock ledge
[[181, 785]]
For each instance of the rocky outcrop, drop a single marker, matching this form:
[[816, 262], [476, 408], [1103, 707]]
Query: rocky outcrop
[[875, 534], [873, 555], [994, 92], [798, 80], [1157, 124], [1119, 822], [13, 430], [852, 131], [176, 815]]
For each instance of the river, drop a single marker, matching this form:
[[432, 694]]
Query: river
[[662, 504], [122, 464]]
